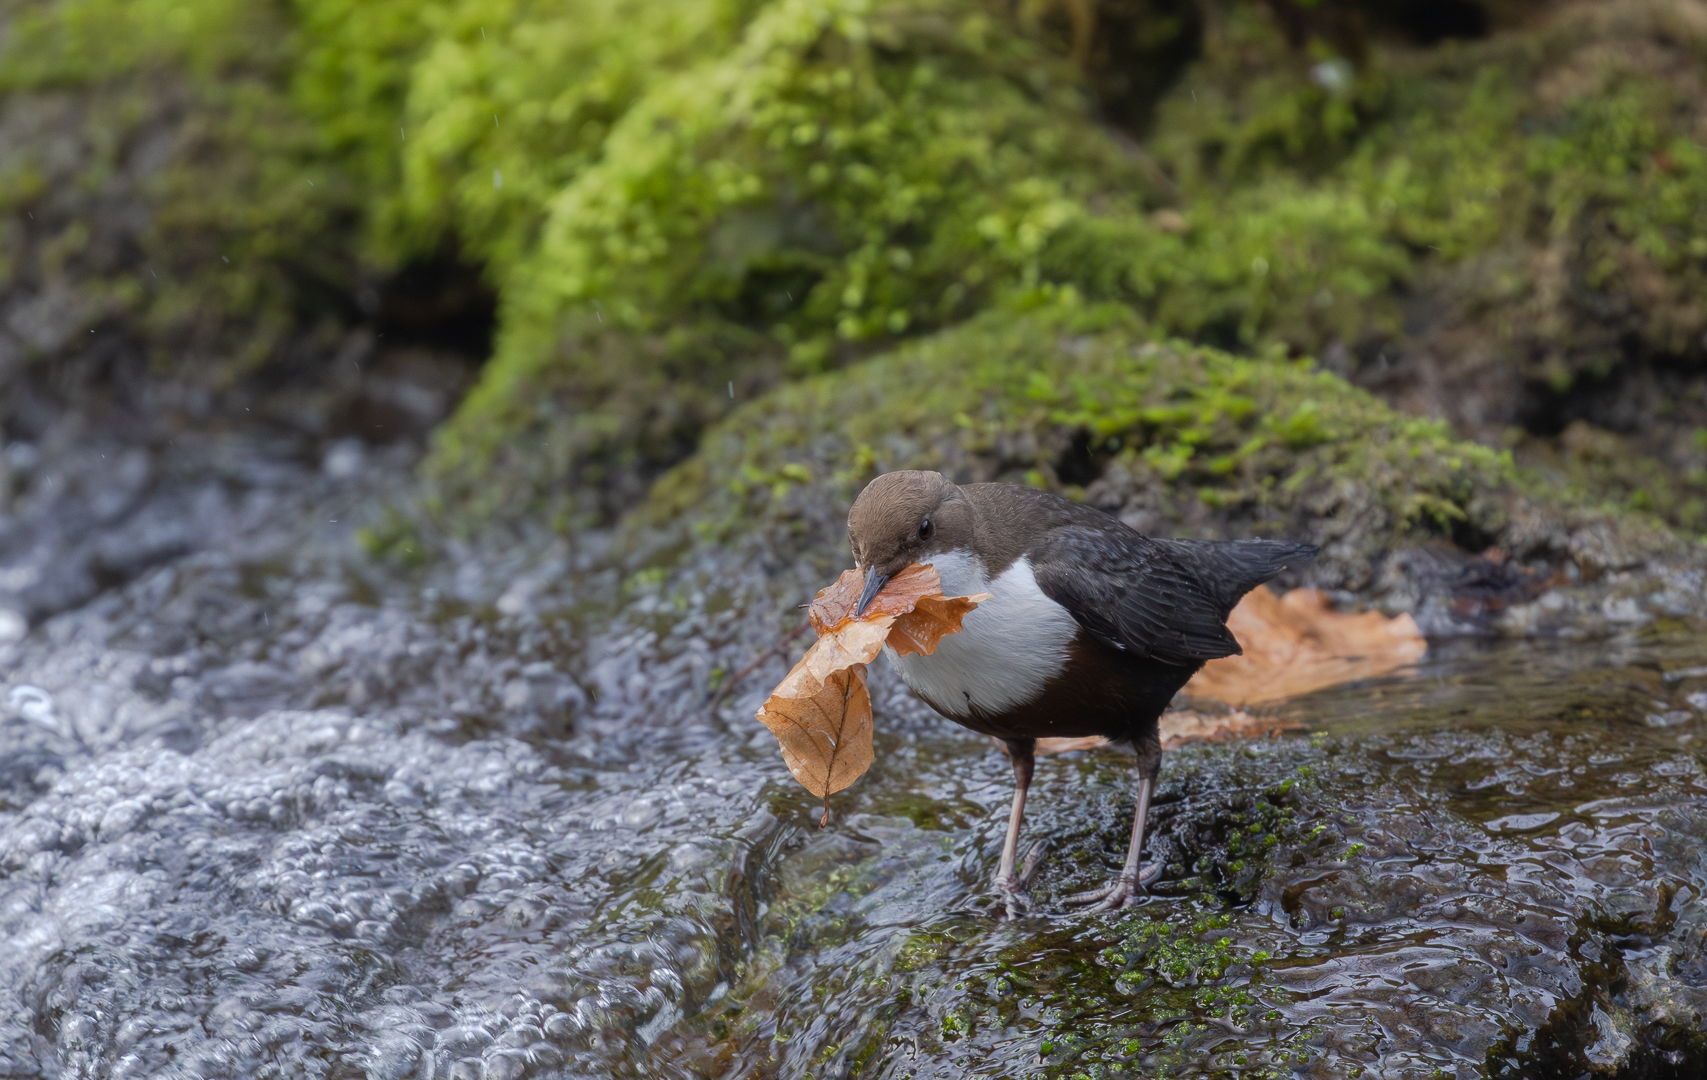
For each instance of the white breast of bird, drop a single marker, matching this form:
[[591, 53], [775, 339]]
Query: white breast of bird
[[1007, 649]]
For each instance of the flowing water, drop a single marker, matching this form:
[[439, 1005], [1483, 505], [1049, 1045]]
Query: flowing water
[[271, 808]]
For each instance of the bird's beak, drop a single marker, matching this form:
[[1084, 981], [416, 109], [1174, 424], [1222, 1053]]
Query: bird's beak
[[873, 584]]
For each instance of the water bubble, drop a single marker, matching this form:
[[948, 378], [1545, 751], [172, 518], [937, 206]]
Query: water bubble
[[1334, 75], [35, 705], [344, 459]]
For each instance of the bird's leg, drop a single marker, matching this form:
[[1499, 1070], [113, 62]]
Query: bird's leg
[[1008, 883], [1124, 889]]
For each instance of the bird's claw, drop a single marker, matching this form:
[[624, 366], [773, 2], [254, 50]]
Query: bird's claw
[[1120, 893], [1015, 901], [1112, 896], [1014, 897]]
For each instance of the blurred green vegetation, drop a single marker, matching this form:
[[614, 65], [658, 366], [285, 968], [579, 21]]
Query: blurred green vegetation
[[154, 171], [682, 203]]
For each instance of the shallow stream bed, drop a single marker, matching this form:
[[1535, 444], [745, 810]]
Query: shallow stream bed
[[268, 808]]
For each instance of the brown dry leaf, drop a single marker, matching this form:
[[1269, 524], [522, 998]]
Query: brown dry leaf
[[854, 642], [1181, 726], [823, 725], [932, 619], [835, 605], [1297, 643], [837, 601], [923, 615], [821, 712]]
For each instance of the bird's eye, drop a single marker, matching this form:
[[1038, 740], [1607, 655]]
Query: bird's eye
[[926, 529]]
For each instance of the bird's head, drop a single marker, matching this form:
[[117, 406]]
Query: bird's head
[[902, 518]]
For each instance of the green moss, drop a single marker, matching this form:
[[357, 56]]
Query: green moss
[[683, 203], [395, 538], [1610, 468], [1546, 142], [466, 118], [846, 175]]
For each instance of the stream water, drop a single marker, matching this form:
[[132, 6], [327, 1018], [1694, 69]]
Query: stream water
[[270, 808]]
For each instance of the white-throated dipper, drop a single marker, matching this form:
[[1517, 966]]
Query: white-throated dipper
[[1092, 630]]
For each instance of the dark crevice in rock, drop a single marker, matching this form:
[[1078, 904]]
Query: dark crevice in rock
[[441, 302], [1629, 399], [1080, 463], [1134, 51], [1141, 47], [1430, 22]]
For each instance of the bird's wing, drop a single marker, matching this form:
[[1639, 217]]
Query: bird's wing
[[1133, 594]]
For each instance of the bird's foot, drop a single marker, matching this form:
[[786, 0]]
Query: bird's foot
[[1015, 890], [1120, 893], [1117, 894], [1015, 900]]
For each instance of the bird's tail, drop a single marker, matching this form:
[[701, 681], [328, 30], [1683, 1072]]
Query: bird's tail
[[1231, 568]]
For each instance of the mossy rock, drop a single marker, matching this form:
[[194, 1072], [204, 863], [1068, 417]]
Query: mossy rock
[[1177, 439], [844, 175]]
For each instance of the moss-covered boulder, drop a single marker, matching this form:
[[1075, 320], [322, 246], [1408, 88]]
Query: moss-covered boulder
[[1177, 439], [844, 175], [1507, 219]]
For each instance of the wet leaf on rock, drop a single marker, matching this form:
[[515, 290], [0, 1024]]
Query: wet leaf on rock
[[1297, 643], [1181, 726], [821, 712], [1178, 727]]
